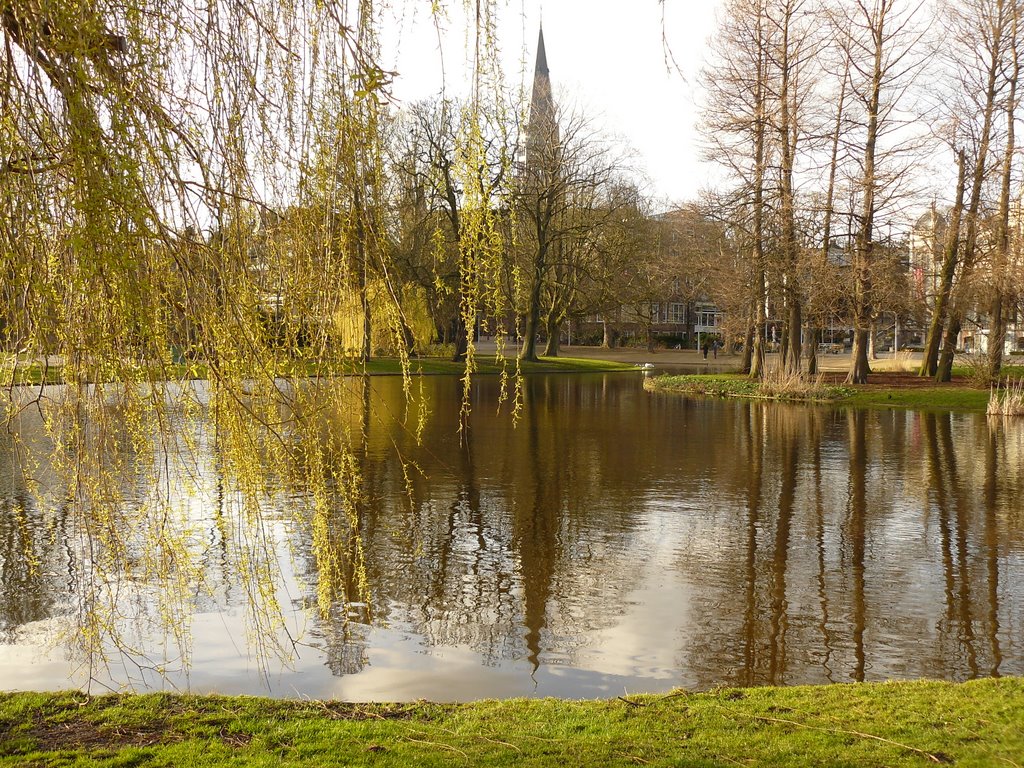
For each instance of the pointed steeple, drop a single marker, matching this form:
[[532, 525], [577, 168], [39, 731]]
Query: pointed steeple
[[542, 57], [542, 127]]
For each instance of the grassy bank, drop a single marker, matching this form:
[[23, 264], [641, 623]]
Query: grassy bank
[[893, 724], [35, 373], [489, 365], [923, 396]]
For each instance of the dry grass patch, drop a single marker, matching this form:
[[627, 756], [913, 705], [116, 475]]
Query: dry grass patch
[[780, 384], [1007, 400]]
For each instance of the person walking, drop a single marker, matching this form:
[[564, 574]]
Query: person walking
[[704, 348]]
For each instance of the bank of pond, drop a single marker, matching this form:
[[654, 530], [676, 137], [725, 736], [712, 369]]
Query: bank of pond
[[978, 723], [36, 372], [886, 390]]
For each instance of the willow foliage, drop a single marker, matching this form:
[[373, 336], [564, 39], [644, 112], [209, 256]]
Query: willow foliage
[[192, 221]]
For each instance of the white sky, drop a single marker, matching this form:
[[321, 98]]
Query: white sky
[[606, 55]]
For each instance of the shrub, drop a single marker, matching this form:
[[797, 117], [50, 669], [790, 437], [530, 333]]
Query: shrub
[[978, 368], [446, 351]]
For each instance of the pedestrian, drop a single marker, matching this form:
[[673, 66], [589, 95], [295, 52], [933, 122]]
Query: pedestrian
[[714, 348], [704, 348]]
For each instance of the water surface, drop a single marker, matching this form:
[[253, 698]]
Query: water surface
[[610, 541]]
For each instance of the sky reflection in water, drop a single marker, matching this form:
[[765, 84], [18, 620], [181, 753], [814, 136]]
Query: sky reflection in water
[[612, 541]]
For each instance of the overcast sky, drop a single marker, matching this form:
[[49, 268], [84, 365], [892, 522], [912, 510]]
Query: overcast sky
[[607, 55]]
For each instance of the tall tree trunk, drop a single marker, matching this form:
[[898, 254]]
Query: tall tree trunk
[[533, 314], [466, 308], [997, 305], [461, 339], [795, 324], [944, 372], [995, 64], [864, 251], [950, 255], [814, 332], [748, 350], [788, 134], [813, 339], [608, 342], [859, 368], [760, 173], [760, 324], [997, 332], [554, 331], [784, 339], [363, 269]]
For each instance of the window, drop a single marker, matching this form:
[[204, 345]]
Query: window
[[677, 313], [655, 307], [707, 318]]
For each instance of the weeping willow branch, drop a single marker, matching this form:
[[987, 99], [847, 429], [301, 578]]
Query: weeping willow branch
[[197, 191]]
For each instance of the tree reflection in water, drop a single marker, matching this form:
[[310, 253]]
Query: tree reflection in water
[[612, 538]]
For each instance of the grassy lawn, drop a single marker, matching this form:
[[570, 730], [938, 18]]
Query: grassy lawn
[[955, 396], [892, 724], [489, 365], [945, 398], [34, 373]]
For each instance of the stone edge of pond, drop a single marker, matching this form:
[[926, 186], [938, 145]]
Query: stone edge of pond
[[894, 723]]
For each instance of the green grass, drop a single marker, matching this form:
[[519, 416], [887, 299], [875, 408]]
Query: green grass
[[892, 724], [710, 384], [1007, 370], [734, 385], [945, 397], [489, 365], [33, 373]]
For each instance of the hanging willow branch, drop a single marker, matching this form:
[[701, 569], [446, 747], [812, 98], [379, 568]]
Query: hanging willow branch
[[194, 233]]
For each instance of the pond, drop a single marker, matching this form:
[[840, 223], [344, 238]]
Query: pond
[[606, 541]]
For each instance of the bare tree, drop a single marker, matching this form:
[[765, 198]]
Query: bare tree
[[789, 79], [563, 193], [736, 126], [1001, 283], [880, 42], [983, 32]]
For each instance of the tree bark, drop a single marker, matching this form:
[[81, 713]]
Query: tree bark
[[608, 342], [748, 350], [951, 252], [813, 339], [554, 330], [788, 135], [363, 269], [997, 304], [760, 323], [760, 162], [944, 372], [461, 339], [859, 367], [995, 64], [533, 310], [864, 251]]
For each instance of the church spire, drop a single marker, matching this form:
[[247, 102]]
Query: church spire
[[542, 58], [542, 126]]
